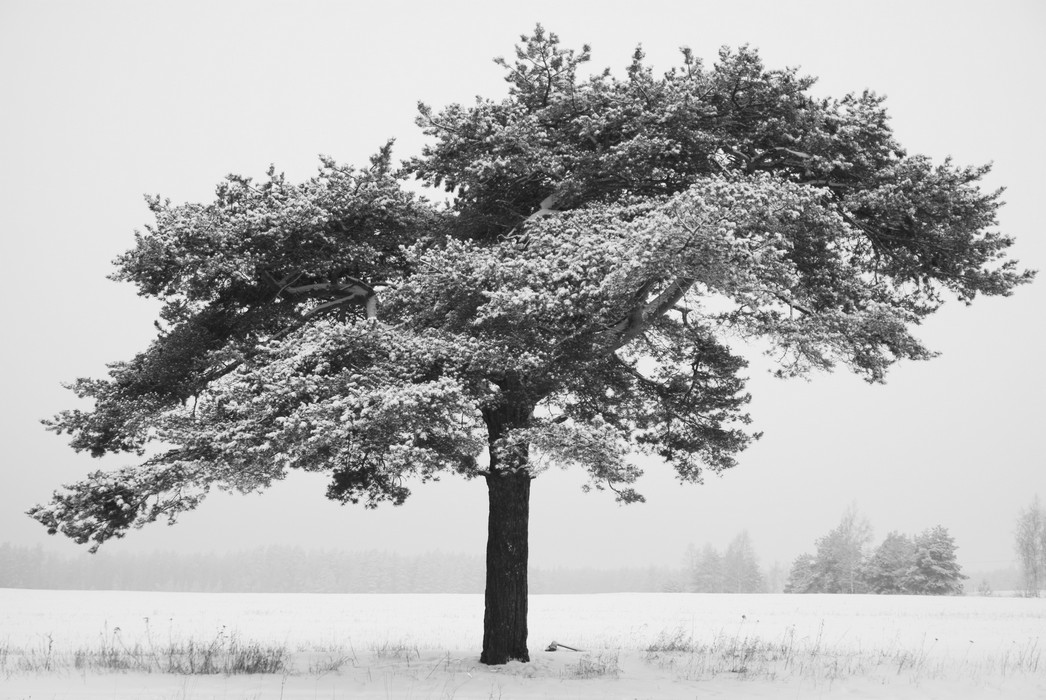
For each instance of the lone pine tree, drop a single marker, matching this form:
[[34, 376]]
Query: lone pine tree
[[606, 235]]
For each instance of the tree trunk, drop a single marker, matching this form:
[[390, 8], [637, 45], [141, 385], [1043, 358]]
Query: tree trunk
[[505, 613], [508, 490]]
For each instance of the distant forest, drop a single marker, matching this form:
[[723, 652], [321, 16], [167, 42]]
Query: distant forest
[[296, 570]]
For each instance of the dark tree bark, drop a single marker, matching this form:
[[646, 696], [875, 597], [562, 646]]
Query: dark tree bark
[[508, 489], [505, 613]]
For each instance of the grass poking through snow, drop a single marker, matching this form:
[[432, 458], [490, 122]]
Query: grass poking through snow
[[223, 654], [603, 664], [787, 657]]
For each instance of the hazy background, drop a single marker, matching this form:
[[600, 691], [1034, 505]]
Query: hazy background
[[102, 102]]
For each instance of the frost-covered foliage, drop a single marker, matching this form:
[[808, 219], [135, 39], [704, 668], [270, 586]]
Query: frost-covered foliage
[[575, 303], [1030, 543], [922, 565], [836, 567], [889, 568], [734, 570]]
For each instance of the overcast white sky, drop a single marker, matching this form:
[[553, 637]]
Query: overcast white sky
[[102, 102]]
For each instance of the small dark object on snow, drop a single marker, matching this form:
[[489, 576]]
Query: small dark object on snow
[[556, 645]]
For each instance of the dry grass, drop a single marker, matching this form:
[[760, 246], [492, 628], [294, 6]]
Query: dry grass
[[603, 664], [405, 651], [811, 659], [223, 654], [677, 653]]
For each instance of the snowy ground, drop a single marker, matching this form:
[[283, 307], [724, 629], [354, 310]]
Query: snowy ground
[[426, 646]]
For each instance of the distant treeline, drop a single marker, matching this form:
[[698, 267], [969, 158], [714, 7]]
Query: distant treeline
[[296, 570]]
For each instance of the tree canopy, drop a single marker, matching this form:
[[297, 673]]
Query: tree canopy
[[611, 241]]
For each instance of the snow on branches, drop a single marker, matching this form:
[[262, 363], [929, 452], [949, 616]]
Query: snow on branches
[[609, 241]]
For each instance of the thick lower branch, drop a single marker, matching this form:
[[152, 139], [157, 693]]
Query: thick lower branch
[[639, 318], [369, 301]]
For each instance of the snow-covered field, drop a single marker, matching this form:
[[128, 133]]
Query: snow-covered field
[[426, 646]]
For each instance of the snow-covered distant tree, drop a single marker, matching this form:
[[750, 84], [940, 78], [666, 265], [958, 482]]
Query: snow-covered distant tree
[[776, 575], [889, 569], [923, 565], [836, 567], [1030, 542], [841, 554], [691, 560], [707, 575], [736, 570], [802, 577], [935, 570], [741, 567], [609, 238]]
